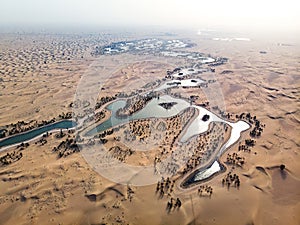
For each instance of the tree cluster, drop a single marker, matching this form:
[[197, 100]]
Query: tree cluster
[[235, 159], [121, 154], [205, 190], [130, 193], [173, 204], [165, 186], [99, 116], [67, 147], [67, 115], [9, 158], [104, 100], [135, 104], [231, 180]]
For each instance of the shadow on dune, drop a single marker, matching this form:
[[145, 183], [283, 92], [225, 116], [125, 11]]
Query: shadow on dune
[[101, 195], [261, 169], [285, 187]]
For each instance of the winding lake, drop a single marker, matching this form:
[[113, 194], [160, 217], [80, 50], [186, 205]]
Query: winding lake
[[151, 110], [25, 136], [154, 110], [197, 126]]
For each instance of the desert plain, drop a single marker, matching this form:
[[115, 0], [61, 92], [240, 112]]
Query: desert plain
[[40, 75]]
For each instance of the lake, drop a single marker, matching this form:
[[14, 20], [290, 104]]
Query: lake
[[25, 136]]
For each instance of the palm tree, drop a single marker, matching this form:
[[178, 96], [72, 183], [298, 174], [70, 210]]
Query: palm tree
[[282, 167]]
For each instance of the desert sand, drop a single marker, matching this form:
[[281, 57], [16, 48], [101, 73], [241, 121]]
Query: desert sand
[[43, 188]]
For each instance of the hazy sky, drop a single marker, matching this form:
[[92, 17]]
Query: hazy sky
[[185, 13]]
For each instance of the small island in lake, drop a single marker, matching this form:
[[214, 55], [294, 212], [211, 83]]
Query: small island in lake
[[167, 105]]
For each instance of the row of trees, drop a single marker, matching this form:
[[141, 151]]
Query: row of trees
[[23, 126], [104, 100], [10, 157]]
